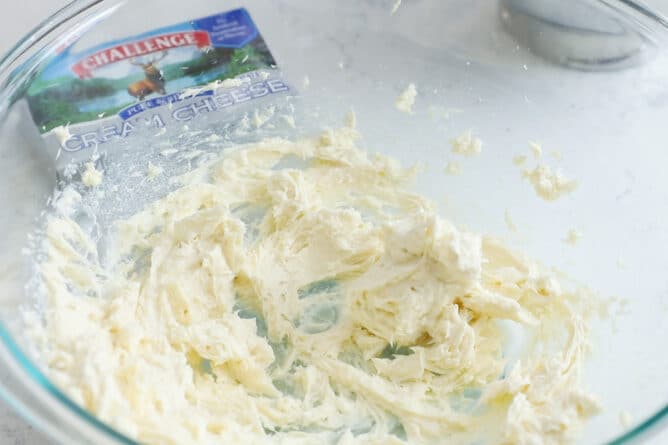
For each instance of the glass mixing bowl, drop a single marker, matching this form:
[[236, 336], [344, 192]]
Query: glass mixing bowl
[[586, 78]]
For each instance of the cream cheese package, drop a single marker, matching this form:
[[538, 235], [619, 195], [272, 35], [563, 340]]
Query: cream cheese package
[[157, 81]]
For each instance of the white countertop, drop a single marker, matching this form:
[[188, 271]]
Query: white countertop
[[13, 24]]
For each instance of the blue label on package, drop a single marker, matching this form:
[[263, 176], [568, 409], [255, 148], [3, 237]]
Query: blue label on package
[[133, 110], [233, 29]]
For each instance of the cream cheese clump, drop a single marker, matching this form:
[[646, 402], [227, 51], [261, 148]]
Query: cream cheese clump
[[466, 144], [91, 177], [405, 101], [549, 184], [298, 292]]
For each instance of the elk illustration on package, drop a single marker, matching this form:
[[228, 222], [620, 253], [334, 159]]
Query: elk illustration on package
[[164, 77], [154, 82]]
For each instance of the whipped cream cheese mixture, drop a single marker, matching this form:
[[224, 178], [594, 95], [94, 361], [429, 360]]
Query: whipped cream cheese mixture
[[300, 293]]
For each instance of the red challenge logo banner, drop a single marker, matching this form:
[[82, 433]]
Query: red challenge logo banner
[[85, 67]]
